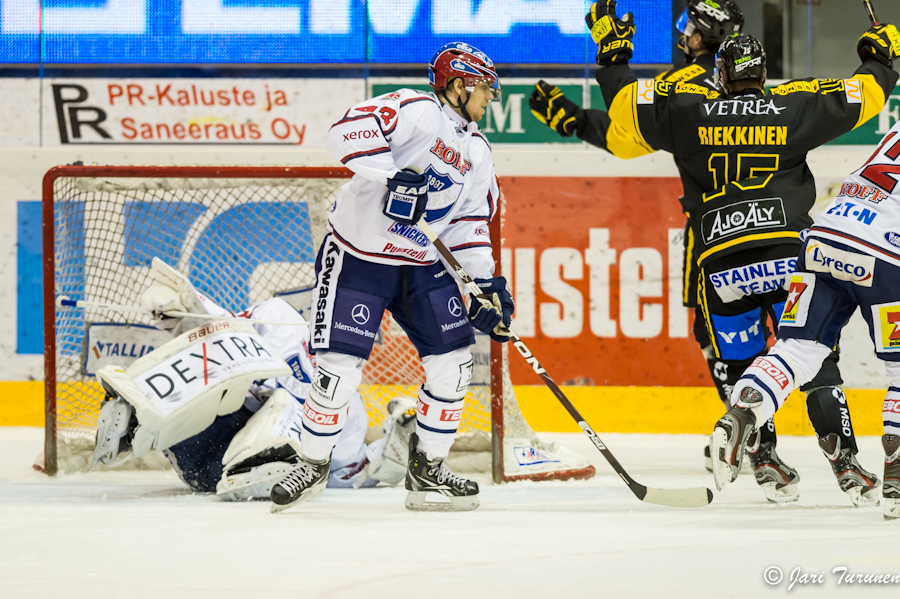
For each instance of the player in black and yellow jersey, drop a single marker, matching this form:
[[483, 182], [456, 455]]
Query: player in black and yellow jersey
[[702, 27], [748, 192]]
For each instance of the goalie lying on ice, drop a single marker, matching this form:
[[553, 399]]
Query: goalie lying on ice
[[223, 400]]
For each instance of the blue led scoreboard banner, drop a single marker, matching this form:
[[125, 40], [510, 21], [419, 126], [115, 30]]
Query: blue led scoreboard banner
[[151, 32]]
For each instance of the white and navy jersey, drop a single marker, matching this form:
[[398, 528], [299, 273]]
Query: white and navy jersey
[[289, 340], [411, 129], [866, 213]]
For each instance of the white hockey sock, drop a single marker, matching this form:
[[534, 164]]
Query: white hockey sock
[[335, 381], [441, 400], [790, 364], [436, 423], [890, 411]]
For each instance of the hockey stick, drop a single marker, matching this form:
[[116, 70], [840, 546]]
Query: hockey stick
[[695, 497], [871, 10], [64, 302]]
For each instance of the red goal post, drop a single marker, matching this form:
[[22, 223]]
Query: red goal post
[[101, 224]]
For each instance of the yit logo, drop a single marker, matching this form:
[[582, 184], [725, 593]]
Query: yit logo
[[454, 306], [72, 118], [360, 314]]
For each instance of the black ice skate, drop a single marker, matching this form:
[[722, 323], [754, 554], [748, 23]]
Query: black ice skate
[[305, 480], [861, 486], [432, 476], [891, 488], [726, 444], [777, 479]]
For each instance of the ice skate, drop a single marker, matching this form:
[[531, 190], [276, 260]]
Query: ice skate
[[726, 444], [746, 468], [432, 476], [254, 477], [115, 431], [777, 479], [860, 485], [305, 480], [891, 487]]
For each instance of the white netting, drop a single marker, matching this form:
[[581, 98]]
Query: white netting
[[240, 241]]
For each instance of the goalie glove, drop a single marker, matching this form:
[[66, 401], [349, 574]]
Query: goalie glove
[[551, 107], [881, 43], [407, 197], [494, 320], [612, 35], [171, 291]]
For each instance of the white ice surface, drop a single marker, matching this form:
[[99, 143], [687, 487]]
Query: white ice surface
[[141, 534]]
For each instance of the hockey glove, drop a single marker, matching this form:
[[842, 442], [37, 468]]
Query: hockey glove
[[611, 34], [406, 198], [493, 321], [881, 43], [551, 107]]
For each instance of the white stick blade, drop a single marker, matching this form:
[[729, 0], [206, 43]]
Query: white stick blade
[[695, 497]]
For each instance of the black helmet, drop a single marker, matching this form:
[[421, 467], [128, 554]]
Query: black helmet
[[716, 20], [741, 57]]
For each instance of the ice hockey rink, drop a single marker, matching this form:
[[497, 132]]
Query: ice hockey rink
[[141, 534]]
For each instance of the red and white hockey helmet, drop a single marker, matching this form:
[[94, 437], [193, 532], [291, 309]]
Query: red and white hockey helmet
[[459, 59]]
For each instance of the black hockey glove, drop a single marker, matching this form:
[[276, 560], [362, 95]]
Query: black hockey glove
[[881, 43], [407, 197], [551, 107], [493, 321], [611, 34]]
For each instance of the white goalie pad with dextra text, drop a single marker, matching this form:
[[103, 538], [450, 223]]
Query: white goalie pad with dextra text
[[179, 389]]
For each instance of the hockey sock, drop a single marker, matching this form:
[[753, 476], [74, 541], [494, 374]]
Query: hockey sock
[[890, 411], [335, 380], [828, 412], [725, 373], [767, 432], [436, 422]]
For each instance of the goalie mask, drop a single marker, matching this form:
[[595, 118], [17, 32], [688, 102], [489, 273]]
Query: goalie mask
[[740, 58], [460, 60], [714, 20]]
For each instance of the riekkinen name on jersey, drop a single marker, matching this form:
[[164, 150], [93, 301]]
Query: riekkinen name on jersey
[[742, 216], [743, 136]]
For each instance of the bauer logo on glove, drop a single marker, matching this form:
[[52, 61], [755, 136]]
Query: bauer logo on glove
[[611, 34]]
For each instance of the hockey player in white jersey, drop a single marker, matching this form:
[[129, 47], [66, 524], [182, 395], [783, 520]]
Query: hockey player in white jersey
[[850, 259], [413, 153], [223, 400]]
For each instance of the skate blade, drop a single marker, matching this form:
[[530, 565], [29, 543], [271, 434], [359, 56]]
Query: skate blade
[[861, 499], [416, 501], [723, 473], [253, 485], [891, 509], [309, 494], [785, 494]]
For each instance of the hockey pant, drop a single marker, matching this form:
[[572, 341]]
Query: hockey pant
[[735, 332], [818, 308], [349, 301]]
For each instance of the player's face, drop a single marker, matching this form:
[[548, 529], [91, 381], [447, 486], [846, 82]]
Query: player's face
[[479, 98]]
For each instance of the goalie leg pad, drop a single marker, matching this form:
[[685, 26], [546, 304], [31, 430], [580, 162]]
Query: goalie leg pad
[[441, 399], [335, 381], [262, 452], [389, 456], [115, 429]]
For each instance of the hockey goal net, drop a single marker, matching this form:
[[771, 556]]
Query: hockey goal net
[[242, 235]]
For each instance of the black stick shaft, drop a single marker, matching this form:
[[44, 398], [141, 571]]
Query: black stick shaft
[[639, 490], [871, 10]]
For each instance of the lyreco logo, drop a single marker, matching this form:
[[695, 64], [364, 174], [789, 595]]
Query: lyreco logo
[[842, 265], [742, 217]]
